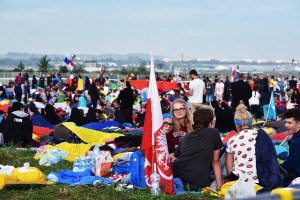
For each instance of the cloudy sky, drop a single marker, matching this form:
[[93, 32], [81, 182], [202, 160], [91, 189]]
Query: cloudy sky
[[231, 29]]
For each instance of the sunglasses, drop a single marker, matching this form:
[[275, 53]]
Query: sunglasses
[[168, 124], [179, 109]]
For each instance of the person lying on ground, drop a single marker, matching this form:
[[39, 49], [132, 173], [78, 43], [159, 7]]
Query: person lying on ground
[[278, 125]]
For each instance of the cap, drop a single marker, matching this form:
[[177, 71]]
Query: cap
[[266, 76], [59, 109], [168, 115]]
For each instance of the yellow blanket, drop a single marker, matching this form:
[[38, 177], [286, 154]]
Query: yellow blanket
[[89, 135]]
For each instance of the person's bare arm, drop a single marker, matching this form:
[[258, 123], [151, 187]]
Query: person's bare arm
[[216, 164], [190, 92], [229, 163]]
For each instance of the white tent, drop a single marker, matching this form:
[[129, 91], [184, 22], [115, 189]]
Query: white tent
[[221, 67]]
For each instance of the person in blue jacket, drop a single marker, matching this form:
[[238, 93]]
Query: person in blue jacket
[[292, 163]]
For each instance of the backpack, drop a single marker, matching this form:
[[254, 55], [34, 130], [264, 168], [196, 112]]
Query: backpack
[[137, 177]]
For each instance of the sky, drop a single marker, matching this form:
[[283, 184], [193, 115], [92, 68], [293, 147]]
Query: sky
[[229, 30]]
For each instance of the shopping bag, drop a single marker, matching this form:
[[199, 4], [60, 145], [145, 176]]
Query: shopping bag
[[244, 187], [103, 164]]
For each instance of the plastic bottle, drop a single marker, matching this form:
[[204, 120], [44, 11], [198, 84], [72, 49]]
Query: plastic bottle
[[76, 165], [96, 150], [91, 159], [82, 165], [155, 178]]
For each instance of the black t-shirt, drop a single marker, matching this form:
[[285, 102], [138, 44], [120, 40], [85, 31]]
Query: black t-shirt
[[293, 83], [194, 155]]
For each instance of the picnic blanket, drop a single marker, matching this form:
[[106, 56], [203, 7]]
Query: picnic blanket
[[89, 135], [41, 131], [39, 120]]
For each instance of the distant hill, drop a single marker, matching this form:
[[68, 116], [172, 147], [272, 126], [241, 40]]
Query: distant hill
[[129, 56]]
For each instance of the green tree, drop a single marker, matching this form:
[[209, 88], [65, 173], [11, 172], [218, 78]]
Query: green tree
[[63, 69], [78, 69], [20, 67], [44, 64]]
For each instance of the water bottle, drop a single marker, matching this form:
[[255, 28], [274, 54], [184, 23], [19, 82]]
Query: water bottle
[[82, 165], [96, 150], [92, 161], [155, 189], [76, 165]]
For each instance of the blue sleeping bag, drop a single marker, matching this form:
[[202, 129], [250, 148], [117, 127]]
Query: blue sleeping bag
[[97, 126]]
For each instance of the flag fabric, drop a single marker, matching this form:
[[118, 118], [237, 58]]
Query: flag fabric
[[233, 71], [69, 63], [272, 109], [237, 72], [154, 142]]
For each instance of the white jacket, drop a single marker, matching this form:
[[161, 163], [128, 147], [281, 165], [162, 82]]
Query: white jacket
[[254, 100]]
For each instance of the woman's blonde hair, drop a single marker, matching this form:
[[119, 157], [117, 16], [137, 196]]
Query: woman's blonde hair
[[242, 116], [188, 119]]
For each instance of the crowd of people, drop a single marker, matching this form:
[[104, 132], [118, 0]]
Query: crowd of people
[[194, 115]]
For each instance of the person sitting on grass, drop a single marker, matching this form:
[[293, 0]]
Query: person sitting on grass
[[252, 152], [17, 126], [292, 163], [198, 151]]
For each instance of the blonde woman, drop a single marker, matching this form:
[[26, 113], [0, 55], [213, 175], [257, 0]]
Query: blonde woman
[[183, 120], [251, 152]]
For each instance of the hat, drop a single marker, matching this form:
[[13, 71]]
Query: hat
[[30, 99], [266, 76], [168, 115], [59, 109]]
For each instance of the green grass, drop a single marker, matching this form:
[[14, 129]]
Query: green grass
[[11, 156]]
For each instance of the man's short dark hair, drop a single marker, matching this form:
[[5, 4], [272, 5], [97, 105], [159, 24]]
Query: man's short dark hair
[[193, 72], [281, 116], [202, 117], [17, 106], [293, 113], [241, 76]]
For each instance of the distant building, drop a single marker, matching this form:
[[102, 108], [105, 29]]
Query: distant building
[[90, 64]]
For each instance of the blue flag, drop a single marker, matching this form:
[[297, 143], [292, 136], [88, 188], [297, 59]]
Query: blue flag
[[272, 109]]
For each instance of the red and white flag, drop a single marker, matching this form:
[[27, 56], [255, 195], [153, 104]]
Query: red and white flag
[[69, 62], [154, 143], [233, 74]]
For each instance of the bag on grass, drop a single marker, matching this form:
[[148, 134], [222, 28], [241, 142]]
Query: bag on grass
[[53, 156], [244, 187], [137, 175], [103, 164]]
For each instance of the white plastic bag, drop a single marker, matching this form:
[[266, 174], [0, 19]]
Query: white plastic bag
[[53, 156], [7, 169], [244, 187]]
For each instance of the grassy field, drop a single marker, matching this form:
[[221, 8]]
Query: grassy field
[[11, 156]]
